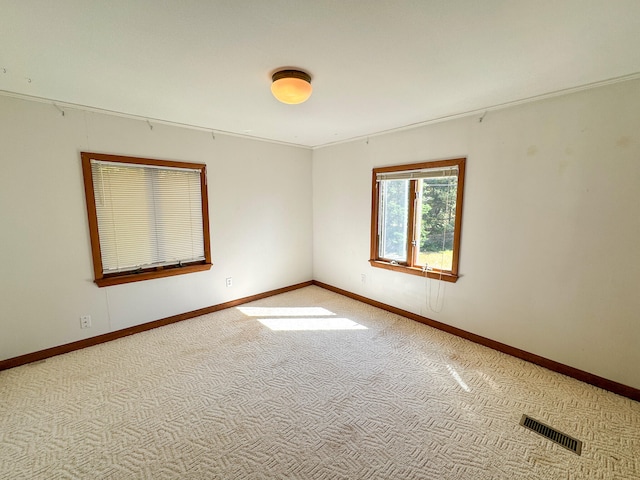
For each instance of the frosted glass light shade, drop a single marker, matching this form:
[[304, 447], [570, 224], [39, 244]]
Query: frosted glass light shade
[[291, 86]]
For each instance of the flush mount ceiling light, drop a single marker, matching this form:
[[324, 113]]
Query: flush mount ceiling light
[[291, 86]]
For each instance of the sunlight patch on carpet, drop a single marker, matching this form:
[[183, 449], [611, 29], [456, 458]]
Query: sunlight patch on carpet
[[331, 323], [285, 311], [457, 378]]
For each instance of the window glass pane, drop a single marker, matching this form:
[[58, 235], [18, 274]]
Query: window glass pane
[[178, 213], [125, 216], [436, 222], [394, 210]]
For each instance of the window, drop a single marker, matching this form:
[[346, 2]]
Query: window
[[147, 218], [416, 217]]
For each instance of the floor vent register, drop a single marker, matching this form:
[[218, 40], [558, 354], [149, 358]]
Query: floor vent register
[[552, 434]]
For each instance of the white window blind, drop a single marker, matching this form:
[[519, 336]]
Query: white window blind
[[415, 174], [147, 215]]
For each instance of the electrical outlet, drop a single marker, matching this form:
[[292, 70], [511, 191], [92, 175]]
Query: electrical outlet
[[85, 321], [229, 281], [363, 278]]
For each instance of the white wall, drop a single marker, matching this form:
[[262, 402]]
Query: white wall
[[260, 220], [549, 257]]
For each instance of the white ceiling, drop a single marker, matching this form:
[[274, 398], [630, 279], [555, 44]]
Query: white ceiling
[[376, 64]]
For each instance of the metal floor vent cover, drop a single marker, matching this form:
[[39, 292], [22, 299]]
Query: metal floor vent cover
[[554, 435]]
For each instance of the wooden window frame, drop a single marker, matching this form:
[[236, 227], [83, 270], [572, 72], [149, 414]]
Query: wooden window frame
[[104, 280], [410, 266]]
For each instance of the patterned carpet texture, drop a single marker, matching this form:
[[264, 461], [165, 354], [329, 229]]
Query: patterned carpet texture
[[304, 385]]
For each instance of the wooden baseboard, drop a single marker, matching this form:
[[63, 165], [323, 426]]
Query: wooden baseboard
[[107, 337], [610, 385]]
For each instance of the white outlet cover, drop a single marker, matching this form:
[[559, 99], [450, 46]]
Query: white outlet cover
[[85, 321]]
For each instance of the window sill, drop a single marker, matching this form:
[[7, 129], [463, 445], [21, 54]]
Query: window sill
[[149, 275], [447, 277]]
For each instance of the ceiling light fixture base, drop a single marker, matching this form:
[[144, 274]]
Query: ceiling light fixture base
[[291, 86]]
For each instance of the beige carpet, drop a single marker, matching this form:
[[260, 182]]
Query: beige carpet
[[305, 385]]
